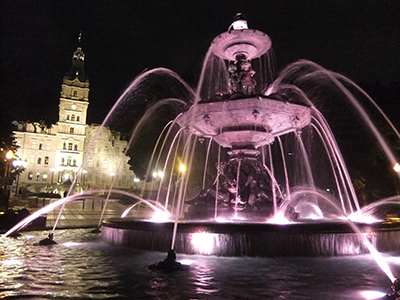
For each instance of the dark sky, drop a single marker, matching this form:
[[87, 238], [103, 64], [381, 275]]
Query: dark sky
[[360, 39]]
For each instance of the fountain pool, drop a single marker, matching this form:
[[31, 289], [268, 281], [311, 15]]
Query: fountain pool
[[82, 266]]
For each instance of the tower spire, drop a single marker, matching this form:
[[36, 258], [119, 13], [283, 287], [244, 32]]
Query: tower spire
[[78, 62]]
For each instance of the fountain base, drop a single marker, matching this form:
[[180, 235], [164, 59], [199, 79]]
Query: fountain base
[[252, 239]]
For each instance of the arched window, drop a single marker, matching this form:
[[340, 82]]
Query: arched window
[[75, 94], [39, 160], [73, 117], [77, 118]]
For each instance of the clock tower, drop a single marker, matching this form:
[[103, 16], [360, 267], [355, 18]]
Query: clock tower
[[74, 102]]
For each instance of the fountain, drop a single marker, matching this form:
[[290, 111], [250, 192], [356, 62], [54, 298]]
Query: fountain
[[263, 173]]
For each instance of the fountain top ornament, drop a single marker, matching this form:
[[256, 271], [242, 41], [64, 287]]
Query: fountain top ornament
[[242, 118], [240, 41]]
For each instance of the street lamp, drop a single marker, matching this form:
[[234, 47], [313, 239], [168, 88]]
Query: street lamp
[[9, 156], [84, 172], [182, 168]]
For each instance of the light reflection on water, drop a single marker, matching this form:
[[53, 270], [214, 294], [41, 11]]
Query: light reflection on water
[[83, 267]]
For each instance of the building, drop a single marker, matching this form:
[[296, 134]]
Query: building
[[72, 150]]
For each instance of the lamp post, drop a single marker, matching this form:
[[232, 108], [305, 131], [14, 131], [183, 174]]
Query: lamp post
[[52, 169], [19, 166], [5, 193], [9, 157], [83, 172]]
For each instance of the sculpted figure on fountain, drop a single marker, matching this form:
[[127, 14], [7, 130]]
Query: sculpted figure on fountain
[[251, 193], [241, 77]]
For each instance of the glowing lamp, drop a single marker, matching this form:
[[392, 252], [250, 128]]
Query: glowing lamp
[[396, 167], [9, 154]]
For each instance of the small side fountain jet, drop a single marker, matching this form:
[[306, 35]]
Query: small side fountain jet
[[169, 264], [48, 241], [395, 294]]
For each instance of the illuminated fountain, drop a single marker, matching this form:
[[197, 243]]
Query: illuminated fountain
[[263, 175], [249, 164]]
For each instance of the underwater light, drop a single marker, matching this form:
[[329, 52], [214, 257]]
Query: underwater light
[[370, 295], [70, 244], [160, 216], [203, 242], [278, 218]]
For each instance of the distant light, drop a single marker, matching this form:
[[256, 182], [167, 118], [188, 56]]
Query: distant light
[[136, 179], [112, 174], [160, 174], [9, 154], [84, 171], [44, 176], [396, 167], [182, 168]]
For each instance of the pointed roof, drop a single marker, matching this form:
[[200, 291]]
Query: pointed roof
[[78, 63]]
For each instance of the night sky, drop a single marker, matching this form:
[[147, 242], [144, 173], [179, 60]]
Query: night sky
[[121, 39]]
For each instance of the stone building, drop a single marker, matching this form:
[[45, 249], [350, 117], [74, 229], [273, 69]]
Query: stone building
[[72, 150]]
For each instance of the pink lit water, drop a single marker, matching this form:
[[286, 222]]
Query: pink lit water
[[81, 266]]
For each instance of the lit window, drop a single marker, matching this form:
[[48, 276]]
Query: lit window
[[68, 160], [70, 146], [45, 177], [30, 176], [73, 118]]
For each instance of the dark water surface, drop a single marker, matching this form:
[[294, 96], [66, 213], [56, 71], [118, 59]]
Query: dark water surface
[[81, 266]]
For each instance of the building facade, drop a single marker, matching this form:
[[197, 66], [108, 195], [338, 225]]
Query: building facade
[[71, 150]]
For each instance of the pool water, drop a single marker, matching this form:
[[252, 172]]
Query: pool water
[[81, 266]]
